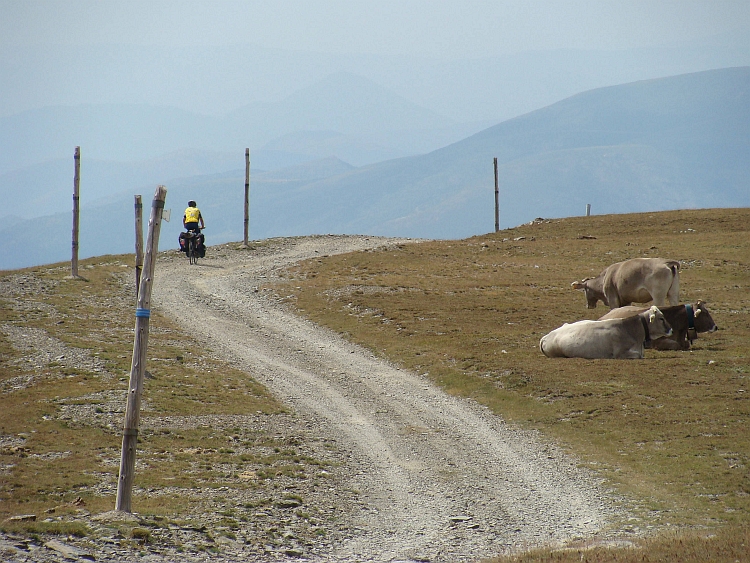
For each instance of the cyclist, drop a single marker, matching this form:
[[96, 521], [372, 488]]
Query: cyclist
[[192, 220], [193, 217]]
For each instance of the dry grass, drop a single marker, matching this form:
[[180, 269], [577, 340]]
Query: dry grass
[[60, 436], [728, 545], [670, 431]]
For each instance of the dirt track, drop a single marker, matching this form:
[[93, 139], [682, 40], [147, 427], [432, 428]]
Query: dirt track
[[441, 479]]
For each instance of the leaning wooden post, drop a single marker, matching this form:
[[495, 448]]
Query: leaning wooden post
[[76, 183], [247, 194], [138, 365], [497, 201], [138, 243]]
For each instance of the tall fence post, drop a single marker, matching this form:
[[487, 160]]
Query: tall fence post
[[497, 201], [247, 195], [138, 243], [138, 365], [76, 184], [588, 209]]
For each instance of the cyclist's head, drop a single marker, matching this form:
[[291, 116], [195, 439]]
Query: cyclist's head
[[191, 203]]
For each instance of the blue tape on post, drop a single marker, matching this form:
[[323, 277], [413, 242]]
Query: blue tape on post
[[142, 313]]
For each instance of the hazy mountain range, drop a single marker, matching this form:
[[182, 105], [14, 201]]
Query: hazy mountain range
[[344, 112], [215, 80], [340, 157]]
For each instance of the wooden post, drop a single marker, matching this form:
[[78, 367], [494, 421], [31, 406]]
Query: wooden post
[[138, 243], [247, 194], [76, 184], [497, 201], [138, 365]]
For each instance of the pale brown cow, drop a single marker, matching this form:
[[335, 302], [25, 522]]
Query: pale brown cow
[[638, 280], [611, 338]]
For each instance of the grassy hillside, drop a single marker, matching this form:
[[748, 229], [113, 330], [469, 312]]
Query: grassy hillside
[[670, 432], [219, 459]]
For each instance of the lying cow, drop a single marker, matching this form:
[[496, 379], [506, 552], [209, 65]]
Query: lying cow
[[611, 338], [638, 280], [684, 320]]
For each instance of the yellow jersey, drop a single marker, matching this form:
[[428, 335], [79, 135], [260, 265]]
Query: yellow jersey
[[192, 214]]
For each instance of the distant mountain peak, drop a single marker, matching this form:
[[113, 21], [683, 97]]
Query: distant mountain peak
[[353, 91], [343, 102]]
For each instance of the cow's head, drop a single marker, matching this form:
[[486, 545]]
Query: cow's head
[[702, 318], [657, 324], [592, 295]]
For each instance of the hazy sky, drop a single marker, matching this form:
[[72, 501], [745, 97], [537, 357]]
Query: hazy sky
[[469, 60], [456, 28]]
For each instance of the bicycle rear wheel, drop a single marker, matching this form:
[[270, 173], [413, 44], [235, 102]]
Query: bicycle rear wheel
[[192, 251]]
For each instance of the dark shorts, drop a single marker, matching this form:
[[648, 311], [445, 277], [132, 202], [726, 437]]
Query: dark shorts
[[191, 227]]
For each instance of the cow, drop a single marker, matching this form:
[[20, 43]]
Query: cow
[[611, 338], [684, 320], [638, 280]]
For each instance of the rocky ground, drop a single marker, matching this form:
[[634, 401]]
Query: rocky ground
[[419, 475]]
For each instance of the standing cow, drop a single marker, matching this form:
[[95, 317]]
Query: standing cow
[[683, 319], [638, 280], [611, 338]]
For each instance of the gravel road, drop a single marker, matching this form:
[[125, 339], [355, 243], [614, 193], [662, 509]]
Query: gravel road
[[441, 478]]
